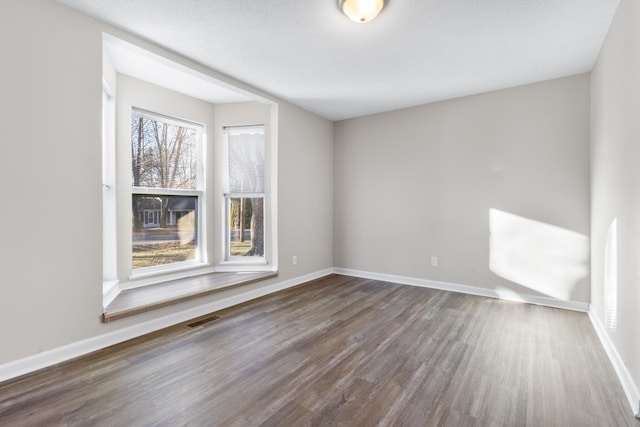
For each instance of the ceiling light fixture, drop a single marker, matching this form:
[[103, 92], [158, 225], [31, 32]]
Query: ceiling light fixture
[[361, 11]]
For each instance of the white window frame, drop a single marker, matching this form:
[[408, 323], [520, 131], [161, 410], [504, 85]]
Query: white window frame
[[199, 192], [227, 196]]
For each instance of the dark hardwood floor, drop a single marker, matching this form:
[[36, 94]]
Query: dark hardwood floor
[[340, 351]]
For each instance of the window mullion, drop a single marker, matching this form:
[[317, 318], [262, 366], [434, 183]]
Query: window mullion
[[165, 191]]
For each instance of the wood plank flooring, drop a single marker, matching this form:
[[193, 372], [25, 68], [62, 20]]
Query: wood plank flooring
[[340, 351]]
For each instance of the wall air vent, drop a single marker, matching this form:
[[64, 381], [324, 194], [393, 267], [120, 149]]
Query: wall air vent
[[202, 321]]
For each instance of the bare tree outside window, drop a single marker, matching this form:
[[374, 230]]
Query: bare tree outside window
[[165, 193]]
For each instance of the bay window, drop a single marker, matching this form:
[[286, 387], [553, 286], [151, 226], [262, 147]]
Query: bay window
[[178, 209]]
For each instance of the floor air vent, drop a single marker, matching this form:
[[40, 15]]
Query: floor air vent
[[202, 321]]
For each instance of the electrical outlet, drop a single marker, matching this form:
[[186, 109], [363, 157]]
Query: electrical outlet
[[434, 261], [294, 260]]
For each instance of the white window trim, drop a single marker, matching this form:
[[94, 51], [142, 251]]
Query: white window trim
[[200, 191], [233, 262]]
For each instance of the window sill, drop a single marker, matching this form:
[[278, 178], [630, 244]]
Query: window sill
[[139, 300]]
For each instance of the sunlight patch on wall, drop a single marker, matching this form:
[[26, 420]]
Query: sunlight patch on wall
[[543, 257], [611, 277]]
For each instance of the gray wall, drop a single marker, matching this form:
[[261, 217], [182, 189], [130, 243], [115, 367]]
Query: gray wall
[[420, 182], [51, 256], [615, 186]]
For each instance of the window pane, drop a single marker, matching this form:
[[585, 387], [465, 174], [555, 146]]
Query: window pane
[[164, 229], [246, 226], [246, 162], [163, 154]]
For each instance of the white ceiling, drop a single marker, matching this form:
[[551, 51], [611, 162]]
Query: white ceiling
[[415, 52]]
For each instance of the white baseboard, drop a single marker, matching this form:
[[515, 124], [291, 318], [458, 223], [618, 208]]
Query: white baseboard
[[465, 289], [624, 376], [79, 348]]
